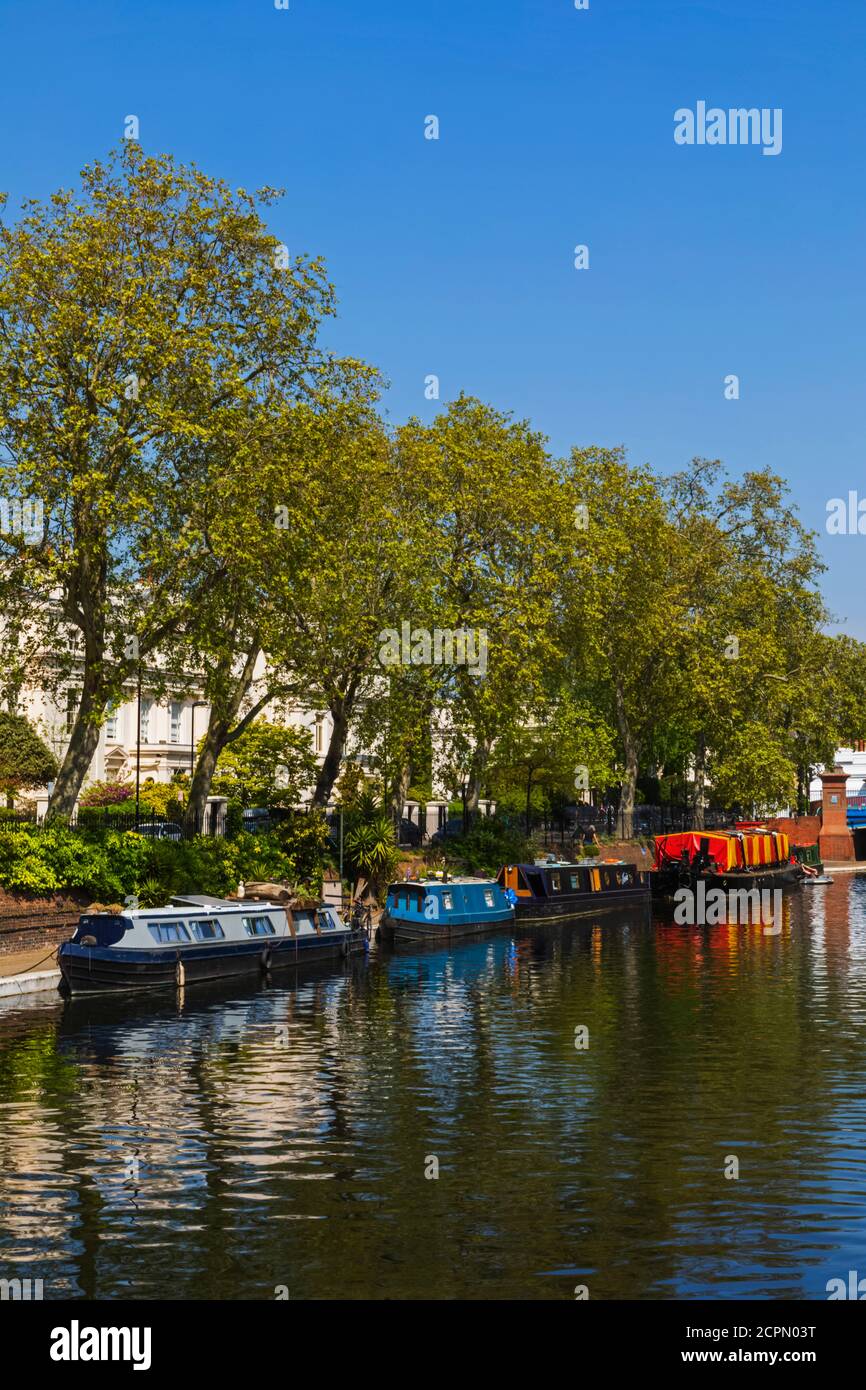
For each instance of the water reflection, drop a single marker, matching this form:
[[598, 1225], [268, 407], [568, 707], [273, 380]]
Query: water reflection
[[219, 1144]]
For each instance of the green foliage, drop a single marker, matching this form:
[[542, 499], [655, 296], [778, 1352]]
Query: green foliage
[[160, 798], [266, 765], [112, 865], [370, 846], [148, 319], [303, 836], [25, 761], [488, 844]]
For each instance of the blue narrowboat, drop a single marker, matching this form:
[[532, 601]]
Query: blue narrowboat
[[435, 909], [199, 938], [557, 888]]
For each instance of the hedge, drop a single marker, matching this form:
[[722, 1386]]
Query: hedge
[[114, 864]]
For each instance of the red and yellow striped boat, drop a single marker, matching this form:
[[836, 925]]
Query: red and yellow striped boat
[[742, 858]]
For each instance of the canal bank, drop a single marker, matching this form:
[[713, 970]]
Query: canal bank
[[28, 972]]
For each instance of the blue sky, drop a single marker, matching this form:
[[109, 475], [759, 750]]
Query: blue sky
[[455, 256]]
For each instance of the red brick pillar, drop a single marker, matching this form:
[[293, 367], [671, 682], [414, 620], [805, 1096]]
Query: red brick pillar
[[836, 841]]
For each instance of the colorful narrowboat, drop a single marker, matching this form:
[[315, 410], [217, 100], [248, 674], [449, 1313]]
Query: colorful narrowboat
[[199, 938], [727, 859], [435, 909], [561, 888]]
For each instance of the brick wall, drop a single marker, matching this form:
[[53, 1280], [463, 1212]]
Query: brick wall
[[29, 923], [801, 830]]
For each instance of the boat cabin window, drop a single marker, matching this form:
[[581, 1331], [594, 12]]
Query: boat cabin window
[[259, 926], [555, 883], [208, 930], [574, 882], [106, 930], [165, 932], [488, 896], [448, 901], [326, 921]]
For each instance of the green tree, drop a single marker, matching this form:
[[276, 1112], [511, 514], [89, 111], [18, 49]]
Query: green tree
[[267, 764], [490, 501], [25, 761], [141, 322], [562, 748], [624, 604]]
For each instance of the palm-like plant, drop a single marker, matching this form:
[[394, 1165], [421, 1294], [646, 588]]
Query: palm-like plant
[[371, 846]]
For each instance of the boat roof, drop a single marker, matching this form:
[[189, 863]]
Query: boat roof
[[203, 900], [592, 863], [442, 883], [190, 907]]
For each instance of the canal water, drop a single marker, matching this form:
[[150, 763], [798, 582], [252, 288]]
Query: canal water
[[586, 1092]]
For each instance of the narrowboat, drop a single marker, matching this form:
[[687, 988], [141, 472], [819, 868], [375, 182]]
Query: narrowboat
[[438, 909], [726, 859], [199, 938], [561, 888]]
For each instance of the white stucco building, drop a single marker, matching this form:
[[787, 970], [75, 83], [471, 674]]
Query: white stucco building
[[853, 760], [171, 727]]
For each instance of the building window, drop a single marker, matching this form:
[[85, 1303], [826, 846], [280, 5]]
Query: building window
[[112, 725], [144, 727], [319, 736], [72, 698], [176, 710]]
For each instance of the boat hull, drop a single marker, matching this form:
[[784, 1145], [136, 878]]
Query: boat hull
[[96, 970], [668, 881], [398, 929], [580, 904]]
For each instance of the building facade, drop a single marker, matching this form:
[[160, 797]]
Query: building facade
[[853, 760], [171, 727]]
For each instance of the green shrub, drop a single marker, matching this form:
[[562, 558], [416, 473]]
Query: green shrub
[[114, 864], [370, 845], [488, 844]]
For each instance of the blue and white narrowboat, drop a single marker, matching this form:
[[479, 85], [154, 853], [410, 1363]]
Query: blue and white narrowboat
[[434, 909], [200, 938], [558, 888]]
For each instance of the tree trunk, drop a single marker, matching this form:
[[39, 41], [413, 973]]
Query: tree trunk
[[629, 784], [223, 728], [476, 776], [83, 743], [400, 791], [698, 818], [341, 708], [214, 742]]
